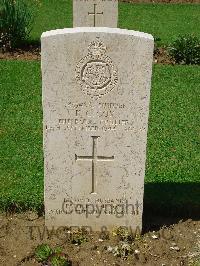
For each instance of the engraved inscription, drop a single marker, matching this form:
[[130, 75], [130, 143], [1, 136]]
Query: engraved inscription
[[94, 15], [96, 73], [94, 158], [83, 117]]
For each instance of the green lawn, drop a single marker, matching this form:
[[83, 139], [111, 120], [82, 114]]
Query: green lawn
[[21, 172], [172, 175], [165, 21]]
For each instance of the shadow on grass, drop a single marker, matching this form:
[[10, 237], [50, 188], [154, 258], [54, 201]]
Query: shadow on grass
[[168, 203]]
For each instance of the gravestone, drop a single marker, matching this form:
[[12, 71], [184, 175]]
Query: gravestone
[[96, 90], [95, 13]]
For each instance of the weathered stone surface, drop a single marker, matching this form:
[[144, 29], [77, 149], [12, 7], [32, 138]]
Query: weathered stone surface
[[96, 90], [95, 13]]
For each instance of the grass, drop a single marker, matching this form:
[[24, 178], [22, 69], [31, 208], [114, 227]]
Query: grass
[[21, 164], [51, 14], [174, 128], [162, 21], [172, 174], [173, 161]]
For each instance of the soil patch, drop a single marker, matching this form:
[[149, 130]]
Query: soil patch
[[20, 234], [161, 56], [27, 53], [33, 53]]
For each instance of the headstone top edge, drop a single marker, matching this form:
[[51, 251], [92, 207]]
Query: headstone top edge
[[96, 30]]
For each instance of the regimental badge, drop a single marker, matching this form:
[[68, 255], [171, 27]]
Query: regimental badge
[[96, 73]]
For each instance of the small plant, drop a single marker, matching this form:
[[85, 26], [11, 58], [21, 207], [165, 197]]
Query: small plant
[[59, 261], [123, 250], [15, 23], [123, 234], [43, 252], [51, 257], [186, 50], [79, 237]]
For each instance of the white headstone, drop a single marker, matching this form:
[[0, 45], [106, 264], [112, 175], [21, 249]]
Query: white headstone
[[95, 13], [96, 89]]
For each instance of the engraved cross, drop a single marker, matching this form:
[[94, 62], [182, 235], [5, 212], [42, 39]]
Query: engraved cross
[[94, 159], [94, 14]]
